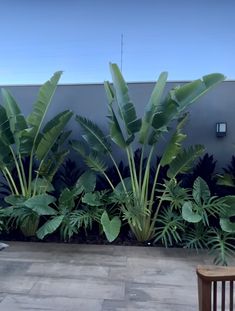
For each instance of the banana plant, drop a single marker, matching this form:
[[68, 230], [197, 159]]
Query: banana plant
[[125, 128], [28, 138]]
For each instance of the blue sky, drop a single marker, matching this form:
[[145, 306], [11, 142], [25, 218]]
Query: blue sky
[[186, 38]]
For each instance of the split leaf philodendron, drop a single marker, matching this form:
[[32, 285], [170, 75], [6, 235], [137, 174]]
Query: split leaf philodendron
[[125, 127], [32, 149]]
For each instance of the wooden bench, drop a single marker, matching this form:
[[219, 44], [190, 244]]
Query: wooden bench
[[212, 279]]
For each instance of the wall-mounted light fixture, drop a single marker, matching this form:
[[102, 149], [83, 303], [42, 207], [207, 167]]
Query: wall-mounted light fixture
[[221, 129]]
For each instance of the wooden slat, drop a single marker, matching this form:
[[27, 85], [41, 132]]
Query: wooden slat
[[231, 296], [223, 296], [214, 296]]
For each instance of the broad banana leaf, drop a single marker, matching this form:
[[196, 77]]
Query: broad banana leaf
[[126, 108], [190, 92], [16, 119], [6, 135], [46, 92], [51, 134], [114, 126], [151, 107], [183, 96], [174, 145]]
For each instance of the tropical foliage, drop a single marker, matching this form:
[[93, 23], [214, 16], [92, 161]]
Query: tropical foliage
[[195, 219], [125, 127], [166, 200], [28, 138]]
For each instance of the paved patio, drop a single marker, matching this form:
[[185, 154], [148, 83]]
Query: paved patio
[[40, 276]]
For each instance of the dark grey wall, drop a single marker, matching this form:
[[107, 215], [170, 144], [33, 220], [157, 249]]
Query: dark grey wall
[[89, 100]]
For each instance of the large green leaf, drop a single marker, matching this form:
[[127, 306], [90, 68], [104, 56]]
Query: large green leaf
[[111, 227], [93, 199], [46, 92], [93, 135], [5, 154], [86, 182], [201, 191], [181, 97], [190, 92], [42, 185], [166, 112], [152, 105], [227, 226], [39, 203], [15, 200], [66, 199], [49, 227], [115, 130], [228, 211], [5, 131], [189, 215], [184, 160], [52, 133], [174, 145], [126, 107], [16, 119]]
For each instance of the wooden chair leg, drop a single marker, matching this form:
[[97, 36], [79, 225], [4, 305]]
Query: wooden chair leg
[[204, 295]]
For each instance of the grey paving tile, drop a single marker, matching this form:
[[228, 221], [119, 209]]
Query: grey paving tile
[[98, 260], [112, 305], [153, 275], [8, 268], [23, 302], [180, 295], [67, 270], [88, 288], [17, 284], [2, 296]]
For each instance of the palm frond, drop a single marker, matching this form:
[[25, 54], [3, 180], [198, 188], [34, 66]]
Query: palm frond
[[184, 160]]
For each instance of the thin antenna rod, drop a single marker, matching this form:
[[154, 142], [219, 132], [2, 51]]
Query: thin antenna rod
[[121, 50]]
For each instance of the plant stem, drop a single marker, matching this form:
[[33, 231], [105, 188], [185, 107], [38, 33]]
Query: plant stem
[[8, 181], [18, 171], [131, 172], [12, 180], [22, 171], [118, 171], [141, 165], [109, 181], [146, 176], [154, 186]]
